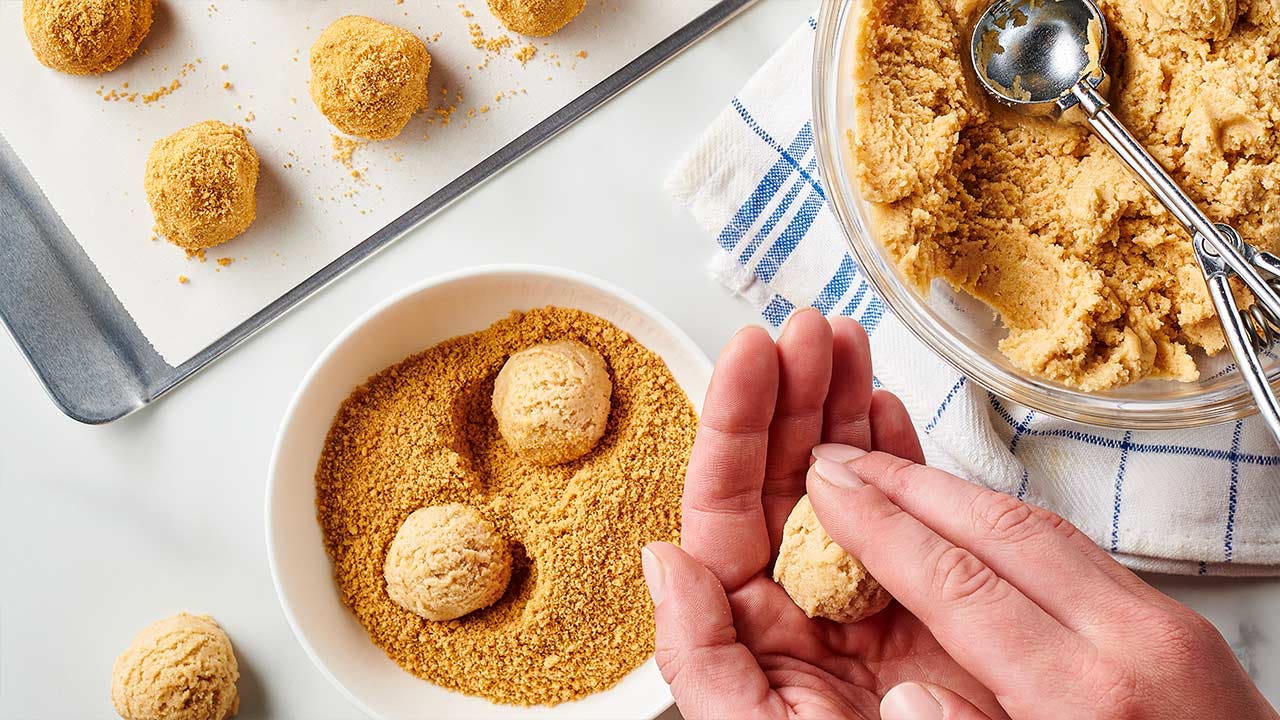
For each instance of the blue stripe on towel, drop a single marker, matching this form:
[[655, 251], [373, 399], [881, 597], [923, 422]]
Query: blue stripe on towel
[[783, 205], [778, 310], [837, 287], [787, 154], [1232, 491], [790, 237], [1115, 512], [946, 402], [873, 315], [769, 185]]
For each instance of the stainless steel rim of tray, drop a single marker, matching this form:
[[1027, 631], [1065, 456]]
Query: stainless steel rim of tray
[[92, 359]]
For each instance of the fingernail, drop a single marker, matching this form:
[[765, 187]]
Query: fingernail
[[654, 575], [787, 323], [837, 474], [910, 701], [837, 453]]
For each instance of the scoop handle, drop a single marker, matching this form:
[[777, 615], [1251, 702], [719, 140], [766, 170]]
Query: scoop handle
[[1108, 127], [1238, 337]]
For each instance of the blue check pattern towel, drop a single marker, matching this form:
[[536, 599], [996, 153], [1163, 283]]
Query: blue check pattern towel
[[1203, 501]]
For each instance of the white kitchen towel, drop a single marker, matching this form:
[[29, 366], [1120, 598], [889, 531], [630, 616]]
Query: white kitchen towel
[[1203, 501]]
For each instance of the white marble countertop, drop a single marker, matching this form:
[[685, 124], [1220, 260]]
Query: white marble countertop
[[105, 529]]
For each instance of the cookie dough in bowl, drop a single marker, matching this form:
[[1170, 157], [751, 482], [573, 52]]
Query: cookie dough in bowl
[[1096, 285]]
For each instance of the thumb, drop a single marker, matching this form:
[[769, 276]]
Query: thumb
[[711, 674], [922, 701]]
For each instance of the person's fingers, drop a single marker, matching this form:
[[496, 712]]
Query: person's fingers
[[804, 372], [924, 701], [723, 518], [980, 619], [846, 417], [891, 428], [1031, 548], [711, 674]]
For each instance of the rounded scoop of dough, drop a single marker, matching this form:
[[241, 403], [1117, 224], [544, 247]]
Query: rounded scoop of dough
[[447, 561], [178, 668], [368, 77], [85, 37], [820, 576], [535, 17], [201, 183], [552, 401]]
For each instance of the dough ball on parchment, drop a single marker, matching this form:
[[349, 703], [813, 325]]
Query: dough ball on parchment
[[178, 668], [446, 561], [820, 576], [535, 17], [85, 37], [201, 184], [368, 77], [552, 401]]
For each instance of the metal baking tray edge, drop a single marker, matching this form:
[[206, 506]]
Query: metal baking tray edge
[[82, 344]]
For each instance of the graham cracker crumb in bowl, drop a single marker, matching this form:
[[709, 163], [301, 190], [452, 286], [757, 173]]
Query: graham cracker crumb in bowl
[[81, 37], [575, 617]]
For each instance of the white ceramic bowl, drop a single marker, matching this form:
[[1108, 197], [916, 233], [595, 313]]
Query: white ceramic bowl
[[410, 321]]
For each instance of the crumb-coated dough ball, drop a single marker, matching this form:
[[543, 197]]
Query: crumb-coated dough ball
[[820, 576], [535, 17], [552, 401], [446, 561], [368, 77], [201, 184], [85, 37], [178, 668]]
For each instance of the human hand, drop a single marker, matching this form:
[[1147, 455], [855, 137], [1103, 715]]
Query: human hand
[[1003, 609], [729, 639]]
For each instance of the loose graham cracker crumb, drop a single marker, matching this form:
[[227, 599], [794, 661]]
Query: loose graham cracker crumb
[[576, 617], [345, 149]]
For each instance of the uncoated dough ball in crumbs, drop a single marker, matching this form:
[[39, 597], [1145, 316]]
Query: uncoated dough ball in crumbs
[[368, 77], [201, 183], [85, 37], [535, 17], [179, 668], [820, 576], [552, 401], [446, 561]]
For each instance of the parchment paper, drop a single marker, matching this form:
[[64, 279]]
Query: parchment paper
[[88, 154]]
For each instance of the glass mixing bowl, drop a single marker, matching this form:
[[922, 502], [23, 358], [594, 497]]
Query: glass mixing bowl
[[966, 332]]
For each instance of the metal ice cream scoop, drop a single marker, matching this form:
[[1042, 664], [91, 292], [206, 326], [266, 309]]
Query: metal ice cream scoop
[[1045, 57]]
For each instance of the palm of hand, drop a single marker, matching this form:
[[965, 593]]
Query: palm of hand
[[817, 668]]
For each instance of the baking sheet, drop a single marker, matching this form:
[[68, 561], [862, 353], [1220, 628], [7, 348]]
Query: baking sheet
[[88, 153]]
